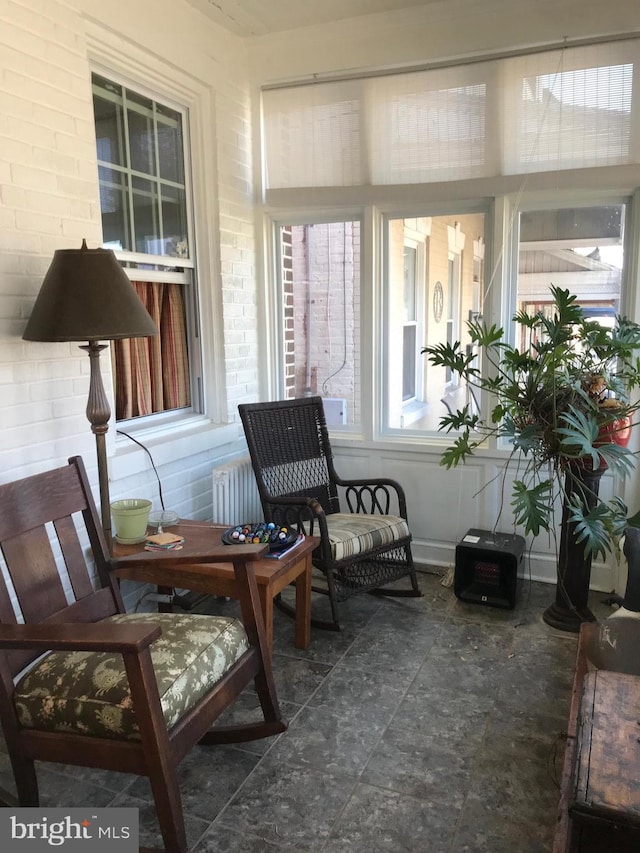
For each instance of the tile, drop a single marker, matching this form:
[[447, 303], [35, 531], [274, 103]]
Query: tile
[[288, 805], [391, 650], [297, 679], [60, 790], [346, 689], [538, 676], [207, 776], [222, 839], [150, 835], [475, 640], [485, 832], [520, 731], [424, 725], [246, 709], [434, 769], [445, 713], [511, 806], [337, 743], [324, 646], [382, 821]]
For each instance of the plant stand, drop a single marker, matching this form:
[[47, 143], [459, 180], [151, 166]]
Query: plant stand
[[570, 609]]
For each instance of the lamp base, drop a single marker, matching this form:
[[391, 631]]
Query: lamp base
[[566, 619]]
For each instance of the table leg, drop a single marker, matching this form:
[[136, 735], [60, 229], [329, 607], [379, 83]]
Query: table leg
[[303, 606], [266, 605]]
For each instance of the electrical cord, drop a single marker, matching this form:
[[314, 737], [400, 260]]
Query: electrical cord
[[153, 465]]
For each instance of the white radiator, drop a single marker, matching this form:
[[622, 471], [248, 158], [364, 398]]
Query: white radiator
[[235, 494]]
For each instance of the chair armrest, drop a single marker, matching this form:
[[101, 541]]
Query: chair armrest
[[79, 636], [372, 496], [297, 510]]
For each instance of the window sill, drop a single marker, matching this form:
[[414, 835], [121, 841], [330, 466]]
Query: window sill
[[168, 443]]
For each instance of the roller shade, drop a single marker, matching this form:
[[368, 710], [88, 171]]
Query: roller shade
[[564, 109]]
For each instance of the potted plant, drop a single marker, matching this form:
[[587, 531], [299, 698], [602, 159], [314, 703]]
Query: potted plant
[[561, 399]]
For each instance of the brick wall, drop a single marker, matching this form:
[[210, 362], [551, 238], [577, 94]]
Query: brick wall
[[49, 200]]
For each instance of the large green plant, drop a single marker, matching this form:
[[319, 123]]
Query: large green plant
[[559, 401]]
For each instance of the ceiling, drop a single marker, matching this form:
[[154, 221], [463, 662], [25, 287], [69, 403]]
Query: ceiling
[[259, 17]]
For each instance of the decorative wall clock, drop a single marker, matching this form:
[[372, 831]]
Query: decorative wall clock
[[438, 301]]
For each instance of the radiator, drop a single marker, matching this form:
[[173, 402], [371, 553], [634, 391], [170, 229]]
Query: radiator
[[235, 494]]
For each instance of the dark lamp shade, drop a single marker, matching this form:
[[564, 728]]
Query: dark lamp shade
[[86, 296]]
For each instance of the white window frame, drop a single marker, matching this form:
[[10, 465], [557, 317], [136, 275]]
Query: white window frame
[[177, 434], [187, 278]]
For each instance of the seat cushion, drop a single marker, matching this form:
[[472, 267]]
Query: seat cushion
[[88, 692], [355, 533]]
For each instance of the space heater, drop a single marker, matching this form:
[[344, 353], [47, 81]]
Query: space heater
[[487, 568]]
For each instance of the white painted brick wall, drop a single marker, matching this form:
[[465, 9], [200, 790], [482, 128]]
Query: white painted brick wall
[[44, 198], [49, 200]]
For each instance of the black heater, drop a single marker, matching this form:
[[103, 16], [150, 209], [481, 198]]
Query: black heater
[[487, 568]]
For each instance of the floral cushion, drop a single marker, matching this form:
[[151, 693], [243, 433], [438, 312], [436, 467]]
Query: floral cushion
[[355, 533], [88, 692]]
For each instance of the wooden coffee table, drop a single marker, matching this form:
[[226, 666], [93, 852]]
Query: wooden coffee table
[[173, 569]]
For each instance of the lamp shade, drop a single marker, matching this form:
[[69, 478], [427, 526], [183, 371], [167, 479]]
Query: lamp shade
[[86, 296]]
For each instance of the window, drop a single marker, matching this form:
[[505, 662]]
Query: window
[[451, 169], [141, 147], [438, 292], [319, 267], [579, 249]]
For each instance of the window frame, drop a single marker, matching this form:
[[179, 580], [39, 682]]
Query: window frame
[[213, 430], [137, 264], [500, 249]]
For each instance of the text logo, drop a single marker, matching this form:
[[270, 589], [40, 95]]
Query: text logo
[[112, 830]]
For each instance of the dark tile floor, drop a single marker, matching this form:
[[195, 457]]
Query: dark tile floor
[[426, 725]]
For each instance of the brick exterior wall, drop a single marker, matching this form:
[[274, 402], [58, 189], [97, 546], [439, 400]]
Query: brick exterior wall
[[321, 287], [49, 200]]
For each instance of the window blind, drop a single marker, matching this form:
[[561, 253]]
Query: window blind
[[563, 109]]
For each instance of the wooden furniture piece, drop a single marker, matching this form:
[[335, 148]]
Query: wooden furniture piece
[[599, 808], [605, 802], [124, 692], [271, 576], [360, 550]]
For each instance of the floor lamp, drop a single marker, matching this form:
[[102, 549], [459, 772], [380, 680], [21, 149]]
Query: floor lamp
[[86, 296]]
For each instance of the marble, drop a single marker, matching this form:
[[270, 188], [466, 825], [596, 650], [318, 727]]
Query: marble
[[426, 725]]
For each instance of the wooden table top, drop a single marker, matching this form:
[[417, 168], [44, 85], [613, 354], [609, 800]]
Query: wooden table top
[[203, 554]]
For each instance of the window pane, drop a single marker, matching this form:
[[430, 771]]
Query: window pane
[[170, 144], [146, 141], [447, 267], [145, 217], [141, 134], [409, 362], [110, 136], [320, 276], [577, 249], [114, 196], [174, 224]]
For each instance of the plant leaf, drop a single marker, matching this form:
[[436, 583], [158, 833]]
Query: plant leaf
[[531, 505]]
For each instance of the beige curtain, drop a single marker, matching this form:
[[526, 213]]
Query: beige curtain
[[152, 374]]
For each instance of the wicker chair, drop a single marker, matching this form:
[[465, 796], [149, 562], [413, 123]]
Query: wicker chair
[[360, 550]]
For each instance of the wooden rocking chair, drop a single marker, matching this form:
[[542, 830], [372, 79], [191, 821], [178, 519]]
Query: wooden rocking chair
[[124, 692]]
